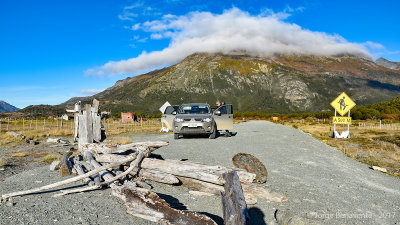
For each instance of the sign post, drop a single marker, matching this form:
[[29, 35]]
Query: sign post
[[342, 105]]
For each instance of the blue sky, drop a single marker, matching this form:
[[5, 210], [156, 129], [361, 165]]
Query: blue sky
[[51, 51]]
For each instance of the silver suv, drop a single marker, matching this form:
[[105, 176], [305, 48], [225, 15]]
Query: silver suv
[[197, 118]]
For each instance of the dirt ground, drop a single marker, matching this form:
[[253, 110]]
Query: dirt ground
[[322, 184]]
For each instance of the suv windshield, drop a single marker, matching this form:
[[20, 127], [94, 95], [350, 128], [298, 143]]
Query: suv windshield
[[194, 109]]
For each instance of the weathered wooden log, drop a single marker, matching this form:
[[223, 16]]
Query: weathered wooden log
[[148, 205], [65, 165], [79, 170], [208, 173], [109, 180], [70, 180], [106, 175], [233, 202], [157, 176], [198, 185], [89, 123], [90, 167], [96, 121], [76, 126], [213, 189], [107, 148]]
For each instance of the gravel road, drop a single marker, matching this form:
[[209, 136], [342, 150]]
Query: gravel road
[[322, 184]]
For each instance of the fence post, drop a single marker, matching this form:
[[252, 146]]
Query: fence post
[[30, 125], [62, 120], [15, 124], [23, 123], [380, 124], [36, 124], [141, 122], [8, 124], [44, 123]]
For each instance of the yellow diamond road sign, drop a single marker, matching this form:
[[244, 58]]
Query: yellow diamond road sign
[[343, 104]]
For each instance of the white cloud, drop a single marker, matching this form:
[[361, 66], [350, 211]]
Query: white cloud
[[373, 45], [127, 13], [90, 91], [156, 36], [234, 29]]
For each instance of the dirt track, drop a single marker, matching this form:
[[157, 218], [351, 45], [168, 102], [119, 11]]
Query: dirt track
[[322, 184]]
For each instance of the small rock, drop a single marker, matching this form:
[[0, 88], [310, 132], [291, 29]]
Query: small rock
[[38, 181], [63, 141], [10, 203], [55, 165], [53, 140], [32, 142], [380, 169]]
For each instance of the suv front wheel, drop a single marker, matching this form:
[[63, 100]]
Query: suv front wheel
[[176, 135], [213, 135]]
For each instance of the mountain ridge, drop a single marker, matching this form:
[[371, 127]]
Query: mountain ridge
[[388, 64], [281, 84], [6, 107]]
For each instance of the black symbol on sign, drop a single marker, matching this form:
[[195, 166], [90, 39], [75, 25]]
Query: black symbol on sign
[[342, 104]]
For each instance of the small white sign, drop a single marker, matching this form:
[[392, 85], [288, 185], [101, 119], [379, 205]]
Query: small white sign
[[163, 107]]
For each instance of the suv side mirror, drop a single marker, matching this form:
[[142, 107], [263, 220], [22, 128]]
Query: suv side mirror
[[173, 113], [218, 113]]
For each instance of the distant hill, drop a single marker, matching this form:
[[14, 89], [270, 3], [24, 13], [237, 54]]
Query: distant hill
[[5, 107], [280, 84], [389, 64]]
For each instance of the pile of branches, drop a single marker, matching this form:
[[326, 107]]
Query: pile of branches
[[126, 168]]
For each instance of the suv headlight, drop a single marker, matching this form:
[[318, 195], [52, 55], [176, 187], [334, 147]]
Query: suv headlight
[[179, 120], [207, 120]]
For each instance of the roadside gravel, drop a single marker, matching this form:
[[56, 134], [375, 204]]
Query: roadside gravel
[[322, 184]]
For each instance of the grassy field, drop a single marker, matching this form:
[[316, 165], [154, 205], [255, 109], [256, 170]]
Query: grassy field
[[369, 143], [46, 128]]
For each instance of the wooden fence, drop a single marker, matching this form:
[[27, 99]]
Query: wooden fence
[[362, 124], [13, 124]]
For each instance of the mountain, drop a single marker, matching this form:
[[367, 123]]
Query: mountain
[[5, 107], [389, 64], [281, 84]]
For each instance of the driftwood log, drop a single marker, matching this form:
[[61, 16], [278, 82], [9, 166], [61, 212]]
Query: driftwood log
[[70, 180], [214, 189], [208, 173], [157, 176], [103, 148], [233, 202], [65, 165], [148, 205]]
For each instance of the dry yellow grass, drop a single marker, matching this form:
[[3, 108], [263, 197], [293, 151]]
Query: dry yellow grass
[[37, 135], [20, 154], [50, 157], [3, 162], [120, 140], [375, 147]]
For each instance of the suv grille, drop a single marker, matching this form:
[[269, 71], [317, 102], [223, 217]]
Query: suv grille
[[196, 119]]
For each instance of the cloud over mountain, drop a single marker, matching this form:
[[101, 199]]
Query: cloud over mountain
[[233, 30]]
